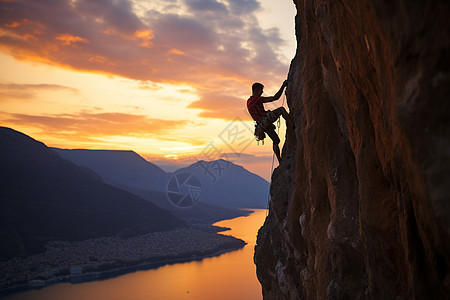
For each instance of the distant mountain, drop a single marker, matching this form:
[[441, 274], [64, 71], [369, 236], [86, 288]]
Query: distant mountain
[[44, 197], [119, 168], [129, 171], [202, 212], [228, 185]]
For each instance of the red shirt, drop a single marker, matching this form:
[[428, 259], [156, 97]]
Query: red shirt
[[255, 107]]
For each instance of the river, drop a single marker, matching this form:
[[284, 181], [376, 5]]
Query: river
[[230, 276]]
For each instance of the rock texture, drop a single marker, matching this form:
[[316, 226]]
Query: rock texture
[[360, 204]]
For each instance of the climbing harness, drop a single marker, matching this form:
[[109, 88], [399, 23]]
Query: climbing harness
[[264, 124], [273, 157]]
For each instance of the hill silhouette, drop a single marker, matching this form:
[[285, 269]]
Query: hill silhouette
[[221, 197], [228, 185], [45, 197], [119, 168], [202, 212]]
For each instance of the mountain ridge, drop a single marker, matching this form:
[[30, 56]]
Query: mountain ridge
[[119, 167], [45, 197], [219, 186], [239, 188]]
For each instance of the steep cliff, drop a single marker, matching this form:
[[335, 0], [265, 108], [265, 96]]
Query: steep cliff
[[360, 204]]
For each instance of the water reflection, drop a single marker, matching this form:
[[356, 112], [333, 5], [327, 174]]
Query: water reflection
[[229, 276]]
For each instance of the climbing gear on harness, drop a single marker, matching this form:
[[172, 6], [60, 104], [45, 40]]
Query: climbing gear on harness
[[264, 124]]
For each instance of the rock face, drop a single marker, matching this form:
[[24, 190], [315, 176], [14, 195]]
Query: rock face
[[360, 204]]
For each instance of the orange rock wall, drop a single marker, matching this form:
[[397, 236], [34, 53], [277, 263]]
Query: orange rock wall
[[360, 204]]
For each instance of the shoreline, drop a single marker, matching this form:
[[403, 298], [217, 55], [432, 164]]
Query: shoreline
[[125, 269]]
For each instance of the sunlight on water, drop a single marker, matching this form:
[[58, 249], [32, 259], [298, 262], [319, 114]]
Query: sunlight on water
[[229, 276]]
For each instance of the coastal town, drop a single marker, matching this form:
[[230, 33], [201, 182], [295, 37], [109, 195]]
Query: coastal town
[[83, 260]]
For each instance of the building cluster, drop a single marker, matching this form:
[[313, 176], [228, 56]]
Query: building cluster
[[63, 258]]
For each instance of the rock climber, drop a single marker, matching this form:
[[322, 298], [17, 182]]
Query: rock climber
[[264, 119]]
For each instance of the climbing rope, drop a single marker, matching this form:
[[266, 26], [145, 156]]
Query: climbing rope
[[273, 157]]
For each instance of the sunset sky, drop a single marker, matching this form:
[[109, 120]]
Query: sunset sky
[[168, 79]]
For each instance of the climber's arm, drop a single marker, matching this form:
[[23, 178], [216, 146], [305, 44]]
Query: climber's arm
[[277, 95]]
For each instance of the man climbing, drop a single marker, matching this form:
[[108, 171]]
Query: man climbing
[[264, 119]]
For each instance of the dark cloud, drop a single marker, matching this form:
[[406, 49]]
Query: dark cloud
[[244, 6], [116, 15], [12, 91], [206, 5], [36, 87], [184, 33]]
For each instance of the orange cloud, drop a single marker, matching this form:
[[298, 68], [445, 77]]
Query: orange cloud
[[13, 25], [199, 46], [90, 124], [68, 39], [145, 36], [176, 52], [98, 58], [14, 91], [18, 23], [24, 29], [221, 106]]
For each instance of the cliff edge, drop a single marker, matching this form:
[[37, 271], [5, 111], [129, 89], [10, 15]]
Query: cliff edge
[[360, 204]]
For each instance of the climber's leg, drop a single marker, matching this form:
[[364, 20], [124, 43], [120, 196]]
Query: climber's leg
[[276, 141], [276, 150], [282, 111]]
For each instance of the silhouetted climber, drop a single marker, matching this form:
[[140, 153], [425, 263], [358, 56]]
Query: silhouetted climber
[[264, 119]]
